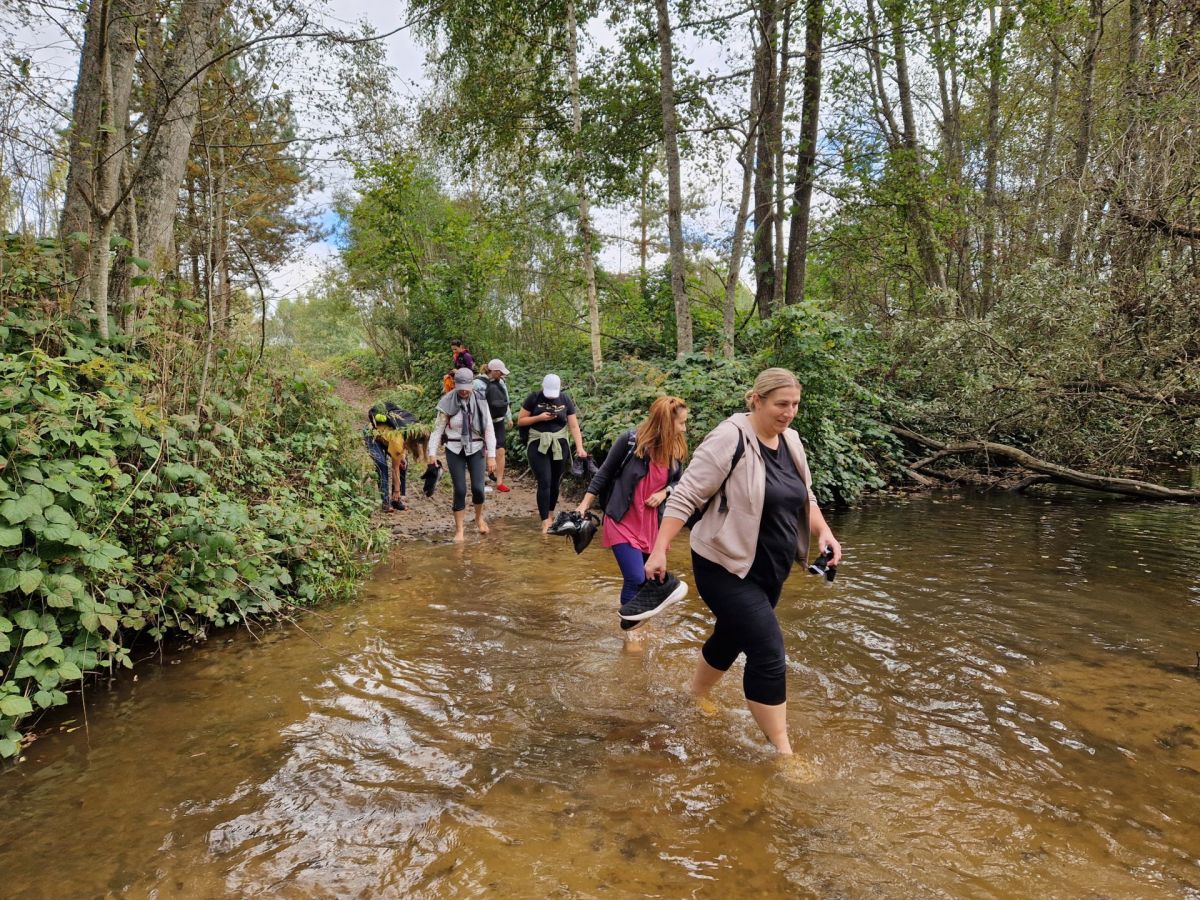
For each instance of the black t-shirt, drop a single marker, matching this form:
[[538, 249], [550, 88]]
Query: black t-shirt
[[562, 406], [783, 499]]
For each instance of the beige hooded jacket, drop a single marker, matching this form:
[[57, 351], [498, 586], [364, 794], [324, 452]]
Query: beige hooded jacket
[[731, 538]]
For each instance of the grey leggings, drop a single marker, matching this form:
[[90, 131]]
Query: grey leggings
[[458, 464]]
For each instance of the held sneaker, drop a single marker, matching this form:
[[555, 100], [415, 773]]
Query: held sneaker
[[584, 534], [567, 522], [653, 597]]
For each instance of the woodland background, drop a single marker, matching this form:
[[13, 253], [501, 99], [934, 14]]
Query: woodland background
[[974, 221]]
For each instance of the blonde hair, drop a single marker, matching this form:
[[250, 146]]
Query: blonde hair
[[659, 438], [771, 380]]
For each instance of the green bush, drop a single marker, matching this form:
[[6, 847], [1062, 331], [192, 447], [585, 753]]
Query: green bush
[[119, 519]]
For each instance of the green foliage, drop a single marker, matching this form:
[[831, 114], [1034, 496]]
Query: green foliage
[[121, 517]]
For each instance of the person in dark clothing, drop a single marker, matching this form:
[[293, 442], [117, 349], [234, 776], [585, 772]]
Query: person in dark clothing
[[549, 414], [744, 547], [495, 392], [637, 477], [462, 356]]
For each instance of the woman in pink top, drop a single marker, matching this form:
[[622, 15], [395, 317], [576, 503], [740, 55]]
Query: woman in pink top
[[638, 475]]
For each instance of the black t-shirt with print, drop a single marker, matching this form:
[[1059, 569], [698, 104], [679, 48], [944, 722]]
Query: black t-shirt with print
[[562, 406], [783, 499]]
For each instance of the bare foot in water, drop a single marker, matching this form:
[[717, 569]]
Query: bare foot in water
[[797, 769], [483, 526], [459, 537]]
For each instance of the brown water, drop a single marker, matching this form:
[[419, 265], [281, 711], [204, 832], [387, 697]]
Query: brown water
[[996, 698]]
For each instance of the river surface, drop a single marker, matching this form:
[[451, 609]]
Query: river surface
[[996, 698]]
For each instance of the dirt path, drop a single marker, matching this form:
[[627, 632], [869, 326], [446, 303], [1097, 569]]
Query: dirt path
[[430, 517]]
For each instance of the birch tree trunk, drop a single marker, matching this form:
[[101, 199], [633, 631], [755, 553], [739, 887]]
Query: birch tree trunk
[[777, 133], [746, 158], [995, 58], [683, 315], [584, 222], [806, 155]]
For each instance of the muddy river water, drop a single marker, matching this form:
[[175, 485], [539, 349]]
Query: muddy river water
[[998, 697]]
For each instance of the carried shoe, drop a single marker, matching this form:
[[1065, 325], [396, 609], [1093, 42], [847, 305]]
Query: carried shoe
[[430, 478], [503, 488], [653, 597], [586, 531], [567, 522], [398, 505]]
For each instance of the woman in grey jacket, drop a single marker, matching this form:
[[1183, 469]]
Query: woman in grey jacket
[[744, 545], [464, 421]]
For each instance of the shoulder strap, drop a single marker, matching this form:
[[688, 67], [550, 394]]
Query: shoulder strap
[[738, 452]]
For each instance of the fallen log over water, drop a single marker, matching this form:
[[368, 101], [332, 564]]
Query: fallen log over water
[[1043, 470]]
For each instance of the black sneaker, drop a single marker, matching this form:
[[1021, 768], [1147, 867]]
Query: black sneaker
[[584, 534], [653, 597], [398, 505], [567, 522], [626, 625]]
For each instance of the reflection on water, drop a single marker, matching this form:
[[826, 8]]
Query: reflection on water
[[997, 697]]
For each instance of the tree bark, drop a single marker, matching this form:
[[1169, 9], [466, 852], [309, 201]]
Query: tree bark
[[806, 155], [584, 221], [995, 57], [96, 149], [172, 123], [1130, 487], [745, 157], [764, 181], [683, 315], [777, 132], [1083, 138]]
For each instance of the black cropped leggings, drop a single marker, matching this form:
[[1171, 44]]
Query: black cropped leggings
[[548, 472], [458, 465], [746, 623]]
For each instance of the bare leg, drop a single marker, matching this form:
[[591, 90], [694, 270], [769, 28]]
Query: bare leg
[[546, 525], [704, 678], [773, 721], [499, 465], [460, 518], [479, 522]]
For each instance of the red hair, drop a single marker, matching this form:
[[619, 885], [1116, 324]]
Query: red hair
[[659, 437]]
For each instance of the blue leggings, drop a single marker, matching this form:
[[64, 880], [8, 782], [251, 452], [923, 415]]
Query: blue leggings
[[633, 569]]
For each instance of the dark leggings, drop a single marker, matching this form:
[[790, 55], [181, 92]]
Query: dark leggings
[[746, 623], [632, 562], [458, 464], [548, 472]]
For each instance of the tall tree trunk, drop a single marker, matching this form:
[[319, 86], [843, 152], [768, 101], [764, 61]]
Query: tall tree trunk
[[933, 271], [1049, 129], [644, 224], [172, 123], [1083, 138], [683, 314], [806, 155], [765, 72], [777, 133], [96, 149], [995, 57], [585, 225], [746, 158]]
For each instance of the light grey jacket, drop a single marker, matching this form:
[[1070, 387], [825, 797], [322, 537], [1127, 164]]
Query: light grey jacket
[[731, 538], [451, 426]]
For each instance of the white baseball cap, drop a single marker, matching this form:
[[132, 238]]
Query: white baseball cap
[[552, 386], [497, 365]]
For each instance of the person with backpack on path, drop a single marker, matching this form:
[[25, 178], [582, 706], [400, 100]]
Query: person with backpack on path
[[387, 449], [637, 477], [548, 416], [495, 392], [464, 422], [744, 546], [461, 358]]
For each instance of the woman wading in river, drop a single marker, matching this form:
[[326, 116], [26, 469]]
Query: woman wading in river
[[638, 475], [548, 417], [464, 421], [745, 542]]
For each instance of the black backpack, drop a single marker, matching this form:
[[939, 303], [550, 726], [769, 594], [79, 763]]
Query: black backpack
[[397, 417], [723, 506]]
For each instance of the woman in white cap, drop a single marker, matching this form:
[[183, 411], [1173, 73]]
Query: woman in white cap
[[549, 414], [466, 425], [495, 392]]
